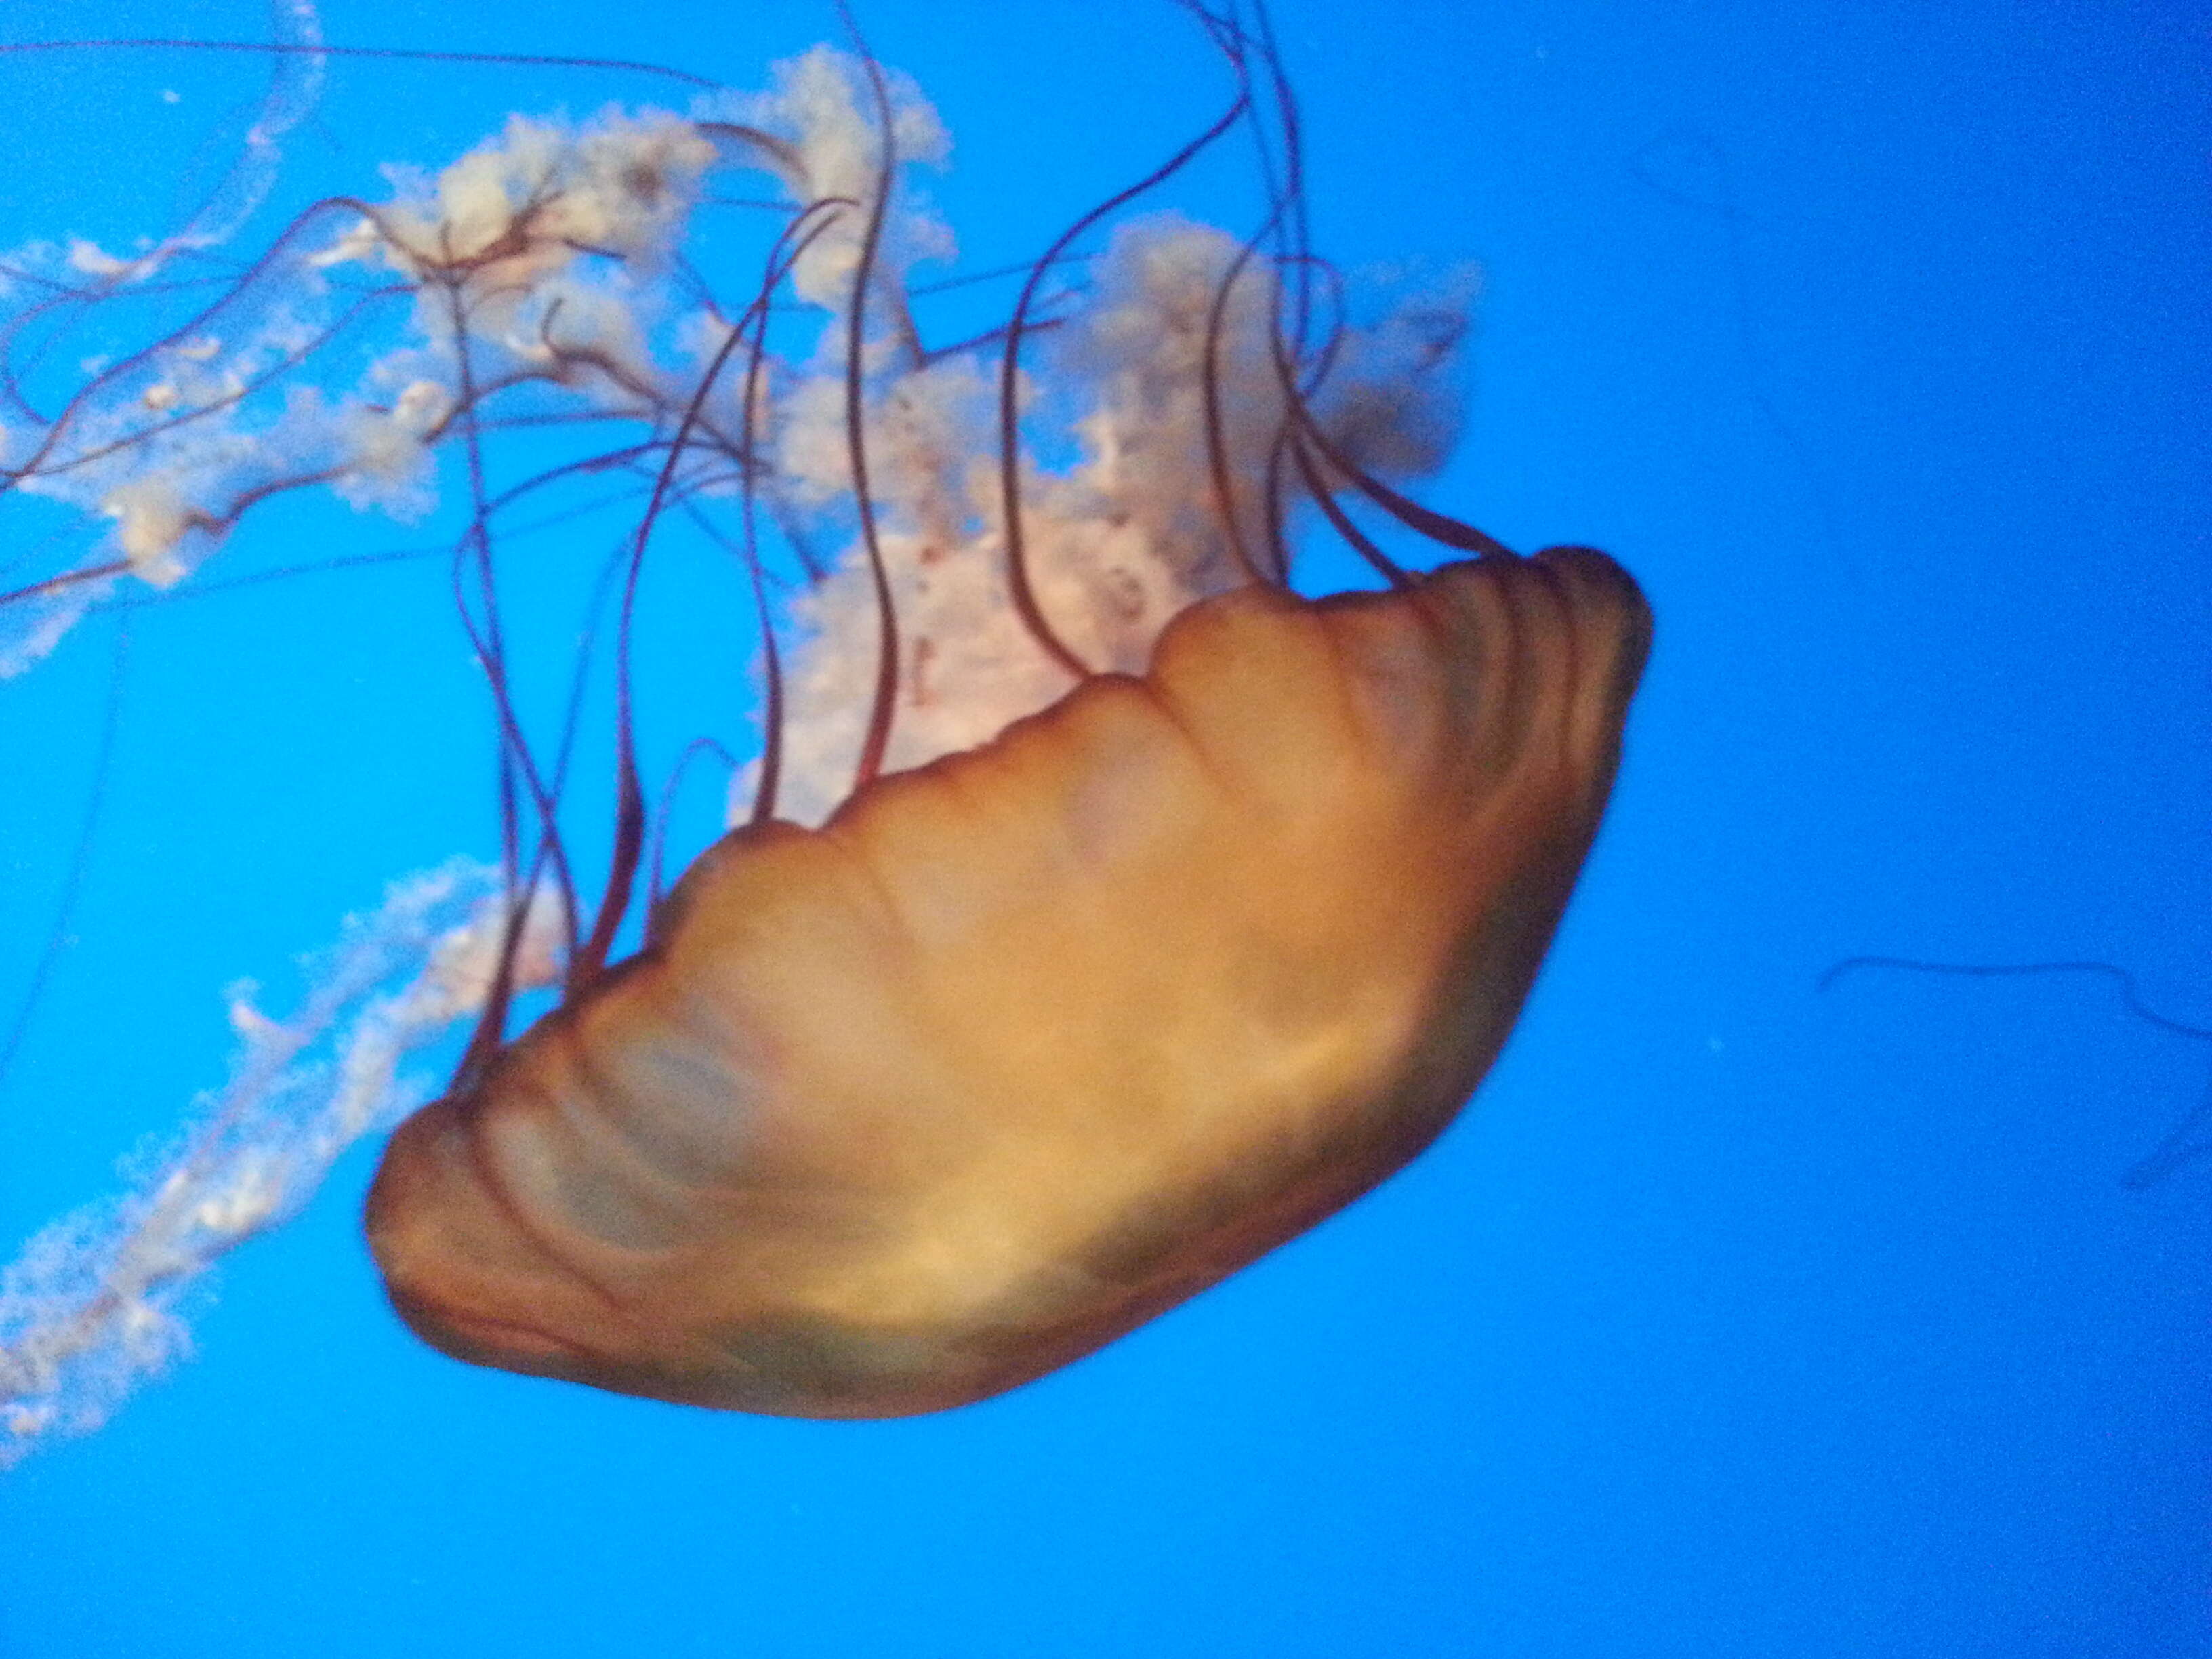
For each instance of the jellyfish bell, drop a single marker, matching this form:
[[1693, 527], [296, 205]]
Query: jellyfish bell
[[1029, 1044]]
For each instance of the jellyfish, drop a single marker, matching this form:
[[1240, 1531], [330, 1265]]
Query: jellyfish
[[1097, 911]]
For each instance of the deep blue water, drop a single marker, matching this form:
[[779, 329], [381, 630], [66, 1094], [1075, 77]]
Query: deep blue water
[[1735, 1318]]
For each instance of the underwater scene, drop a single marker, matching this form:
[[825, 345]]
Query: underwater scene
[[1252, 829]]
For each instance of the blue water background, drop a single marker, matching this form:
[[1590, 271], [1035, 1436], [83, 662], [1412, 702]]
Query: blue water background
[[1735, 1319]]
